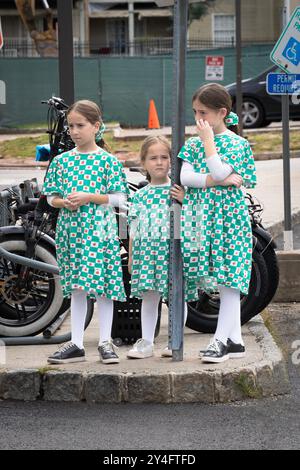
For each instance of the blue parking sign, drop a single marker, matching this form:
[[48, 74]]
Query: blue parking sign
[[292, 51]]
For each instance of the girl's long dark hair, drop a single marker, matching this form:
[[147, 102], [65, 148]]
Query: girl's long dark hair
[[215, 96]]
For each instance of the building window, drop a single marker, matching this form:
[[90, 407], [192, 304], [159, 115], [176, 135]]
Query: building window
[[224, 30]]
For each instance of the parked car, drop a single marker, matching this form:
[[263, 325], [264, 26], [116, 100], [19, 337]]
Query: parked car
[[259, 108]]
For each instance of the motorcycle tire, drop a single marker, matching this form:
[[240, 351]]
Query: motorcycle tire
[[30, 317]]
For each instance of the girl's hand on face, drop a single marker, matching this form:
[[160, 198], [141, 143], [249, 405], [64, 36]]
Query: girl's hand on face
[[177, 192], [79, 199], [205, 131], [232, 180]]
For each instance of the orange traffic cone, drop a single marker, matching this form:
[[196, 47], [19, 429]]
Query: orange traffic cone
[[153, 121]]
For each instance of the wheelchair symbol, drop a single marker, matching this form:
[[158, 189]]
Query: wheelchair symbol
[[292, 51]]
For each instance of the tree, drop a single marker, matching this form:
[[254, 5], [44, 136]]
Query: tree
[[196, 10]]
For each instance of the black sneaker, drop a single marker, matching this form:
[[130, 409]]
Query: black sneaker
[[107, 353], [216, 352], [235, 350], [68, 353]]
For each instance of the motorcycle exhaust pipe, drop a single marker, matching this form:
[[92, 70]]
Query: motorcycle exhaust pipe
[[28, 262]]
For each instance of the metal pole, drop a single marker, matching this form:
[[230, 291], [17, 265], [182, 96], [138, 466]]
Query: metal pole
[[287, 233], [65, 50], [131, 28], [176, 295], [238, 45]]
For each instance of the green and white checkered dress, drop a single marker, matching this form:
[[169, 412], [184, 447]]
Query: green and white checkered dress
[[216, 230], [149, 219], [88, 250]]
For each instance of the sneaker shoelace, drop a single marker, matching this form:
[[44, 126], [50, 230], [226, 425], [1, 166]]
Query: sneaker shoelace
[[107, 346], [66, 347], [214, 347], [140, 343]]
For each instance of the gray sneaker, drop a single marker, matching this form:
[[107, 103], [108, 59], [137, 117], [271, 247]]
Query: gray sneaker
[[107, 353], [141, 349], [216, 352], [67, 354]]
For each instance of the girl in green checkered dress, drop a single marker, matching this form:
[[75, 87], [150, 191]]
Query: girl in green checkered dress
[[149, 238], [216, 228], [85, 184]]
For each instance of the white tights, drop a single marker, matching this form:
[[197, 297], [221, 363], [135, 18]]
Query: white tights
[[149, 314], [229, 321], [78, 315]]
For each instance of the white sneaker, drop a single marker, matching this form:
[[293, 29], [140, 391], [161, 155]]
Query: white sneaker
[[166, 352], [141, 349]]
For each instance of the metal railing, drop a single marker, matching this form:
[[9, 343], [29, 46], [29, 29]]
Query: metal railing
[[14, 47]]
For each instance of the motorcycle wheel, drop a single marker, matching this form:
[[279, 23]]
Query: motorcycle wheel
[[29, 312], [271, 261]]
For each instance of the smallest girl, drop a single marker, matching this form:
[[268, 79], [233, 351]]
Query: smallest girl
[[149, 239]]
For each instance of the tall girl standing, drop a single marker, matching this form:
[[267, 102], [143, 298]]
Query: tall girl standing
[[85, 184], [216, 228]]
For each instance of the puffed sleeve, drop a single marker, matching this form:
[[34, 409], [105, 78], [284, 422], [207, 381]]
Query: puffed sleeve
[[187, 151], [116, 177], [53, 183], [240, 157]]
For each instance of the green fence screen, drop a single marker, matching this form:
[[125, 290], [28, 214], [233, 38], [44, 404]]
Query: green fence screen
[[123, 86]]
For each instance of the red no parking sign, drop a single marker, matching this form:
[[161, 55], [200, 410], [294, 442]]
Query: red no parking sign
[[214, 67]]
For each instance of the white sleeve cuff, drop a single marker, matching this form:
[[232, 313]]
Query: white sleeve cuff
[[190, 178], [218, 170], [117, 200], [50, 199]]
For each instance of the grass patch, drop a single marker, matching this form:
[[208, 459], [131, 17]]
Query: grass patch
[[33, 126], [22, 147], [272, 142], [247, 387]]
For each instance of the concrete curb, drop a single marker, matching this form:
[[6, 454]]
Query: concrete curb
[[262, 379]]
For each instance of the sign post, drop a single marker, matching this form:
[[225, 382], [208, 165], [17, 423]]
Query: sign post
[[286, 54]]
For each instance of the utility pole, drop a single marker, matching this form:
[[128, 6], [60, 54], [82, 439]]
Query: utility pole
[[65, 50], [238, 45], [131, 28], [176, 294]]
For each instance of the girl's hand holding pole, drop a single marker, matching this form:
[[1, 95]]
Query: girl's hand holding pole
[[177, 192]]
